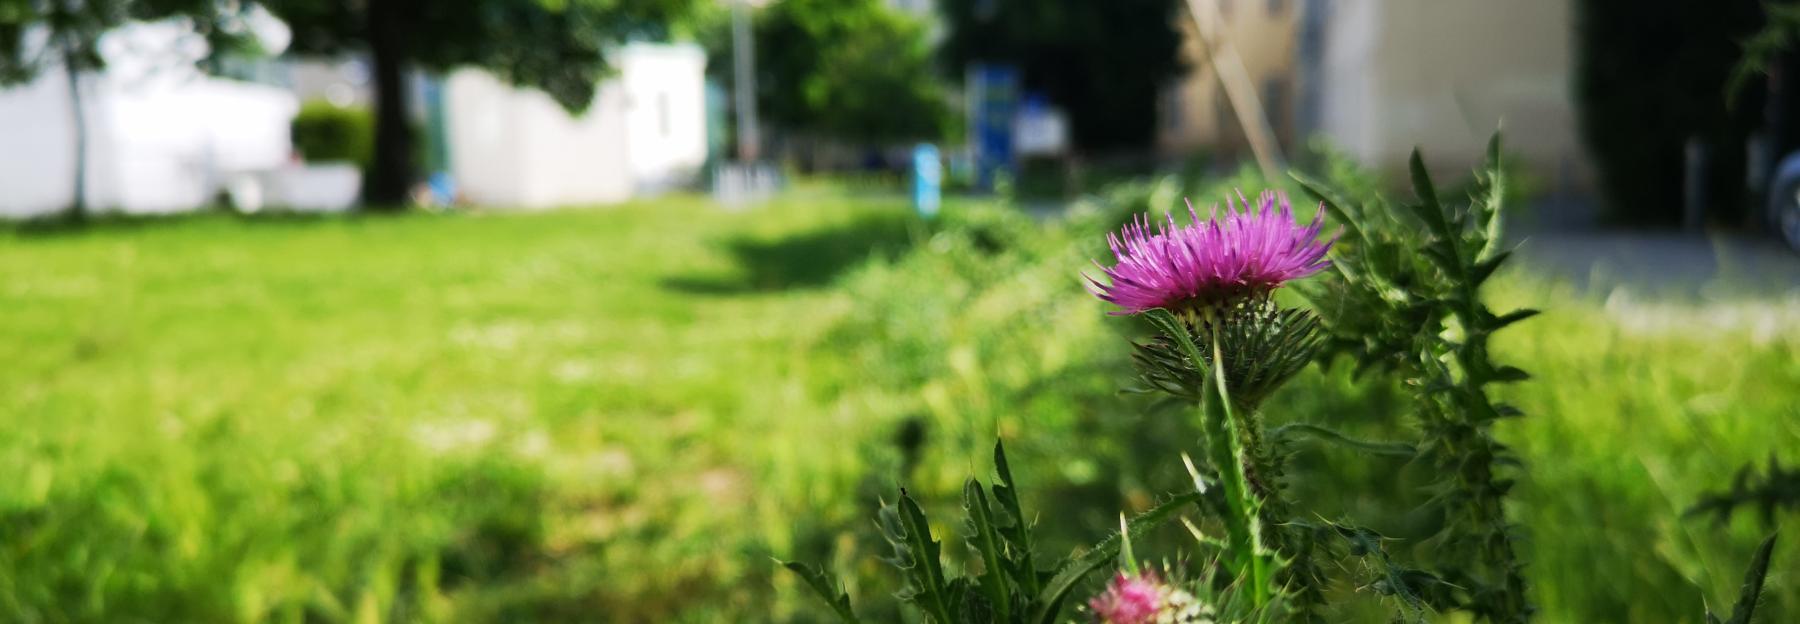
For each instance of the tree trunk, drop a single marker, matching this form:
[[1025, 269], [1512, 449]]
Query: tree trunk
[[392, 177], [78, 200]]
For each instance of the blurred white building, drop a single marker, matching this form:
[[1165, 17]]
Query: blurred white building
[[165, 137], [646, 132], [162, 136]]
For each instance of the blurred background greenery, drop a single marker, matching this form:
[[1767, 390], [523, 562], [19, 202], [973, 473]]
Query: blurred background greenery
[[476, 413], [621, 415]]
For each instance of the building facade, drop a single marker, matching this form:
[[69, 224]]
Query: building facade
[[1196, 116], [1443, 75], [1376, 78]]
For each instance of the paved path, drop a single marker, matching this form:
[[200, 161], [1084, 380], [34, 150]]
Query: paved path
[[1664, 262]]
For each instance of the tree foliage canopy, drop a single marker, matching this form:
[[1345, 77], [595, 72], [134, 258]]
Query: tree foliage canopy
[[852, 70], [557, 46], [1649, 76], [1103, 62], [71, 29]]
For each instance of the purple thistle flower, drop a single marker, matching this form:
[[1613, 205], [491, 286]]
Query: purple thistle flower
[[1136, 599], [1251, 251]]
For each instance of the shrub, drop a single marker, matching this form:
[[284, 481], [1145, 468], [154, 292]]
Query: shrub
[[325, 132]]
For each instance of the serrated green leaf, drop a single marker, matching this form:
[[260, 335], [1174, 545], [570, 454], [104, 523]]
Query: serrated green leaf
[[983, 538], [1015, 528], [917, 555], [1495, 200], [1485, 268], [822, 585], [1428, 209]]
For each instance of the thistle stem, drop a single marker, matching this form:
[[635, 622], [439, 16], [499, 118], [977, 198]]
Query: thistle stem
[[1226, 449]]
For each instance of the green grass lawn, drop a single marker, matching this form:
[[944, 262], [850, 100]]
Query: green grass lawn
[[214, 419], [621, 414]]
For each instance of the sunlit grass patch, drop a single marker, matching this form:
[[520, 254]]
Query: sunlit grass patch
[[620, 414]]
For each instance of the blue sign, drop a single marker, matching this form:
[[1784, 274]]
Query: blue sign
[[993, 99]]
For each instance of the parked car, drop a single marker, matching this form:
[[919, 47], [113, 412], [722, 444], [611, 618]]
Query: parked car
[[1784, 200]]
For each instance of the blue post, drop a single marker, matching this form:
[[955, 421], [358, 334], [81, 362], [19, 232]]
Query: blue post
[[928, 179]]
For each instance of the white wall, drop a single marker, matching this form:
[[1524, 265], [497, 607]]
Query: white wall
[[161, 136], [37, 168], [513, 147], [1443, 74], [665, 111], [646, 131], [1349, 104]]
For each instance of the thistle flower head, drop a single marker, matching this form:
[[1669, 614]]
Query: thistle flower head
[[1251, 250]]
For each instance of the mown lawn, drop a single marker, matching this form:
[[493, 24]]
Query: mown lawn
[[214, 419], [621, 414]]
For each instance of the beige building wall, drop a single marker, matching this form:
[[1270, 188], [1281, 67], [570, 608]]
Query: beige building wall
[[1443, 74], [1195, 115]]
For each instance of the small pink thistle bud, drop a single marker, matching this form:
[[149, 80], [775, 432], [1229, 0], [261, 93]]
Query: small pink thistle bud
[[1136, 599]]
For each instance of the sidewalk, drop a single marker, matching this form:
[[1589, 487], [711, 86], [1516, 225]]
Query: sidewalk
[[1663, 262]]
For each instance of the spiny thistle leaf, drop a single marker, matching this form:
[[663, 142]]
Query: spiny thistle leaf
[[1013, 527], [1488, 204], [827, 588], [1512, 317], [1384, 449], [1485, 268], [1417, 591], [1427, 209], [1401, 281], [1508, 374], [916, 554]]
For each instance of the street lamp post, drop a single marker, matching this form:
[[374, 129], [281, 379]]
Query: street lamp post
[[744, 81]]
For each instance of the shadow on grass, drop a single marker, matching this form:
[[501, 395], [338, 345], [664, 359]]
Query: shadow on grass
[[807, 259]]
